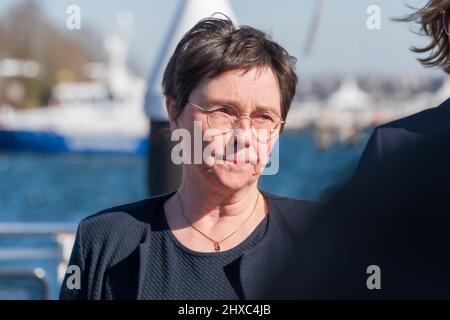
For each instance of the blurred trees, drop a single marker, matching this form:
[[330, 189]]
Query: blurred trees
[[25, 33]]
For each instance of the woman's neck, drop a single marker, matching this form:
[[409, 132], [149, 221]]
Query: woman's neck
[[216, 213], [200, 201]]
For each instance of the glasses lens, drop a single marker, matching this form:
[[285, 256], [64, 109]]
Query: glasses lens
[[221, 119], [265, 125]]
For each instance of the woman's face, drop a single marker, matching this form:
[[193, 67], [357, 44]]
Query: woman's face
[[243, 156]]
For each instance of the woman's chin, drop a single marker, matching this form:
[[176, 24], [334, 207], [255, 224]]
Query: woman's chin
[[233, 176]]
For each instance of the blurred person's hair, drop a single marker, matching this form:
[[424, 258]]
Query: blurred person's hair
[[214, 46], [431, 23]]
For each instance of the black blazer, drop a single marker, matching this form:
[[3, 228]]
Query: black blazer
[[110, 249], [396, 217], [388, 138]]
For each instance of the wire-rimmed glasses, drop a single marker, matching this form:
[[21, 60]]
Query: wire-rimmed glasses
[[265, 125]]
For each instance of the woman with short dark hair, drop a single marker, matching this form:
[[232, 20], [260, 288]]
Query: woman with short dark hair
[[228, 91]]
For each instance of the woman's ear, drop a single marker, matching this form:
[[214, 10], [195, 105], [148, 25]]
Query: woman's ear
[[170, 106]]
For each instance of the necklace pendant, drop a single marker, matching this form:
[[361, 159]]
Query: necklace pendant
[[216, 246]]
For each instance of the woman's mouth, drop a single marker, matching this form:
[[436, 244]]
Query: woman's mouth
[[233, 160]]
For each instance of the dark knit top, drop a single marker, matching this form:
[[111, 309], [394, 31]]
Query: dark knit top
[[123, 253], [186, 274]]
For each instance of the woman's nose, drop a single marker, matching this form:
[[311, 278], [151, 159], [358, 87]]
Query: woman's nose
[[242, 137], [243, 123], [242, 134]]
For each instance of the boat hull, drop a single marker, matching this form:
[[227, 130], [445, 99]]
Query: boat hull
[[50, 142]]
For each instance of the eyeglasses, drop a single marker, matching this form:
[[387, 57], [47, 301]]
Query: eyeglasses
[[264, 124], [445, 21]]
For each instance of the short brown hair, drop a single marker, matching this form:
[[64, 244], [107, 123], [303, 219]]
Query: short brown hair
[[215, 45], [431, 24]]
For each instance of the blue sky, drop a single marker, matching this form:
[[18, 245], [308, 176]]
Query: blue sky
[[343, 46]]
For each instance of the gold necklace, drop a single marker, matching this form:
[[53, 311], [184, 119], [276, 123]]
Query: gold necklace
[[216, 243]]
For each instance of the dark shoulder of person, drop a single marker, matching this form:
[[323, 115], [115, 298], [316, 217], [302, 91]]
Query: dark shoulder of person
[[393, 219]]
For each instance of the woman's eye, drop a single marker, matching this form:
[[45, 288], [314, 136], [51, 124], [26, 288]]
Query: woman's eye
[[225, 110], [265, 117]]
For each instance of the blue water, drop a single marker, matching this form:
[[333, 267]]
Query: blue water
[[65, 188]]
